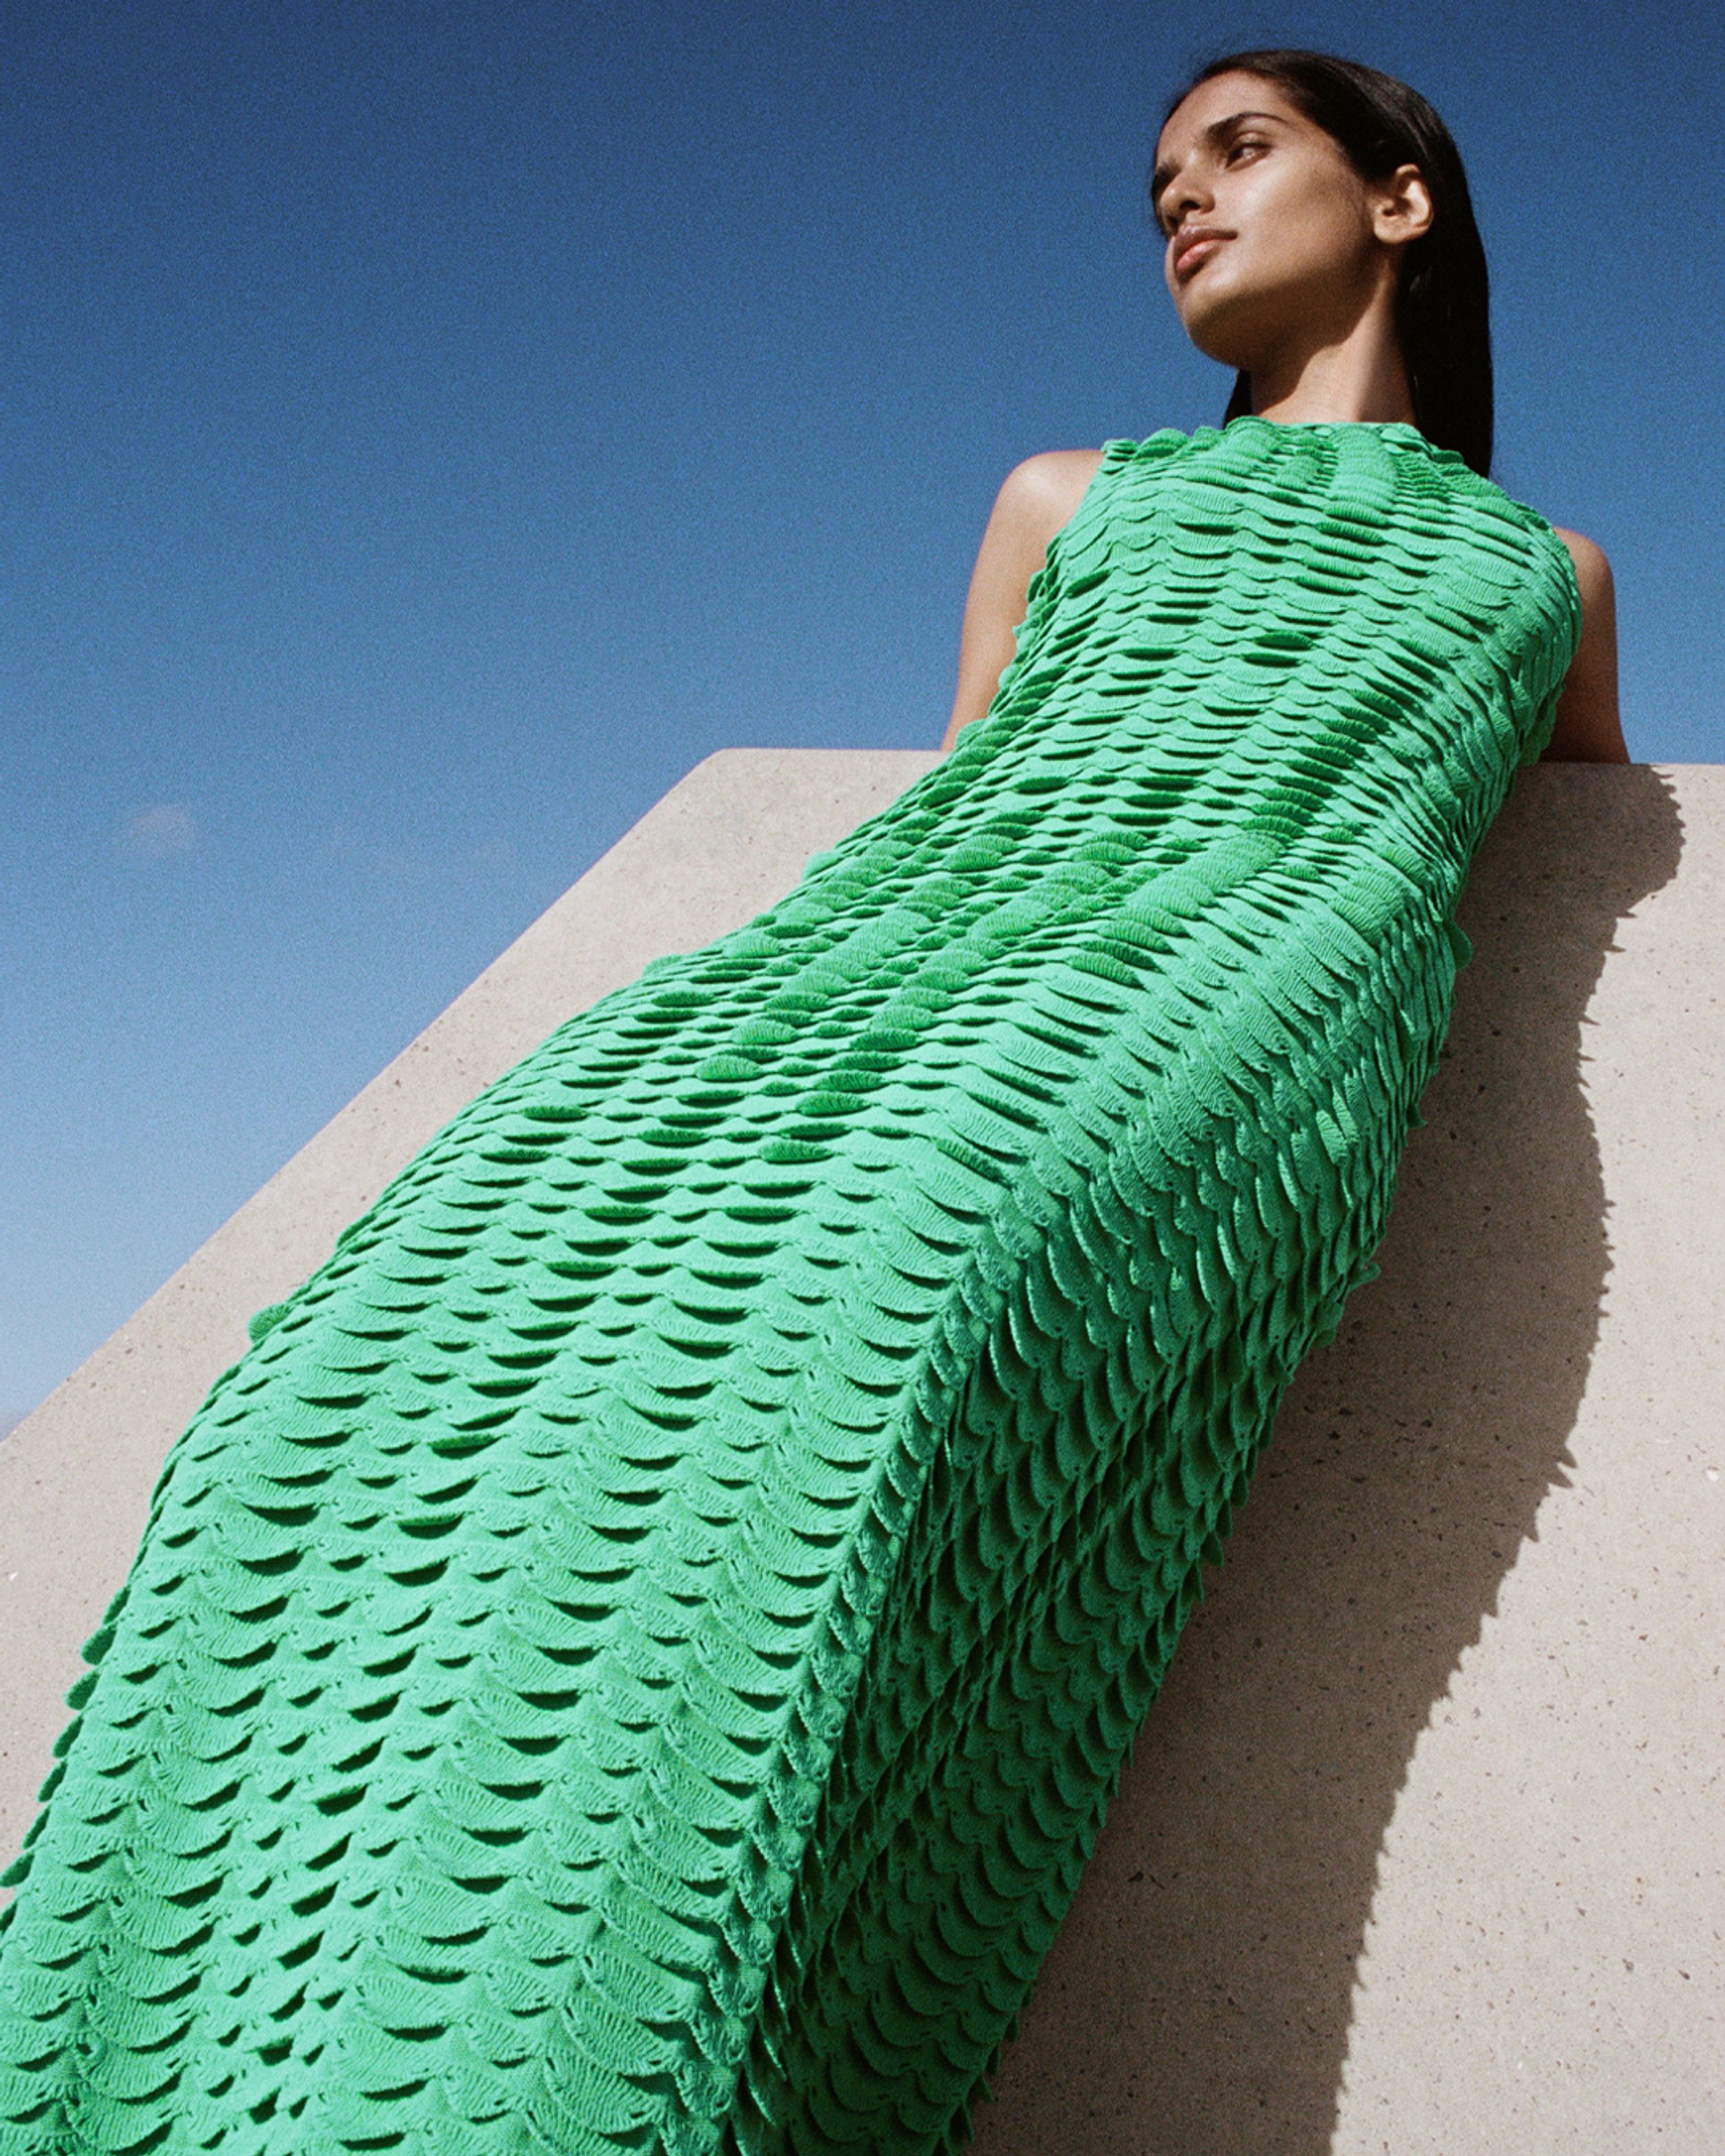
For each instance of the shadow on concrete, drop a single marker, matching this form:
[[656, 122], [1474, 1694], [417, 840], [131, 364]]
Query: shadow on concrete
[[1197, 2001]]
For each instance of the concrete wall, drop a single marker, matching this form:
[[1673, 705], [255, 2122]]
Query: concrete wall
[[1419, 1850]]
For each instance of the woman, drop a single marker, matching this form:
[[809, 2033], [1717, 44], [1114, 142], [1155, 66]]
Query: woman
[[1288, 230], [639, 1652]]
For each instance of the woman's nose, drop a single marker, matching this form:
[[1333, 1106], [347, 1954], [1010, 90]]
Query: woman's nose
[[1183, 195], [1178, 199]]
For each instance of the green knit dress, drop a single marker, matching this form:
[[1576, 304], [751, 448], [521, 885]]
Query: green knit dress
[[637, 1655]]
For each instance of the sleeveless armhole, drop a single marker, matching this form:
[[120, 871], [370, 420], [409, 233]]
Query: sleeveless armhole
[[1560, 648], [1042, 593]]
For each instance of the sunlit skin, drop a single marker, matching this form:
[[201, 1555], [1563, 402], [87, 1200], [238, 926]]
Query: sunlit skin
[[1299, 294]]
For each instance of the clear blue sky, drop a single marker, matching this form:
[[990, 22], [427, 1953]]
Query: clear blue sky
[[430, 428]]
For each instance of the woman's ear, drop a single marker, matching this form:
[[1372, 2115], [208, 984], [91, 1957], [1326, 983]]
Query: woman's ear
[[1401, 205]]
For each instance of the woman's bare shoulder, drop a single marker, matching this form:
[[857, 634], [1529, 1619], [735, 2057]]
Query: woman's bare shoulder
[[1592, 571], [1040, 494]]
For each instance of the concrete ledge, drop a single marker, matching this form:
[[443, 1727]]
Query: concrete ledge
[[1420, 1849]]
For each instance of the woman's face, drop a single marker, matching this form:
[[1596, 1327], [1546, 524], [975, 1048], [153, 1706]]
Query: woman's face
[[1303, 250]]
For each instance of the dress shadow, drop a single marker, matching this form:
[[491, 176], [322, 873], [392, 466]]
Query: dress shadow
[[1198, 1996]]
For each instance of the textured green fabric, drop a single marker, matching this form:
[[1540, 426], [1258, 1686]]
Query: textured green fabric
[[637, 1653]]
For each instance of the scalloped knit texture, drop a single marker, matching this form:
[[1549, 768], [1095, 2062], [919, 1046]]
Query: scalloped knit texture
[[637, 1655]]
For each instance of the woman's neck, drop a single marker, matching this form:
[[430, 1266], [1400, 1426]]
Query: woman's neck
[[1350, 369], [1322, 393]]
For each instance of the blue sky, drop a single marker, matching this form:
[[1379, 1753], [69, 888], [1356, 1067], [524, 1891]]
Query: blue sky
[[428, 429]]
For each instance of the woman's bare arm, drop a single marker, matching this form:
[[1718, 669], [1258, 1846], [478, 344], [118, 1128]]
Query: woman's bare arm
[[1036, 500], [1588, 728]]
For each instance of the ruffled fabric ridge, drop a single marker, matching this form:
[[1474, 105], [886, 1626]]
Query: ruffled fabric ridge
[[637, 1655]]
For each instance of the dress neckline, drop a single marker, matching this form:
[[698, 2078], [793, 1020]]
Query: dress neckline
[[1392, 431], [1395, 434], [1329, 426]]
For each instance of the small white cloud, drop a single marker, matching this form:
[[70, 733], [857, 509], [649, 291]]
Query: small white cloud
[[161, 830]]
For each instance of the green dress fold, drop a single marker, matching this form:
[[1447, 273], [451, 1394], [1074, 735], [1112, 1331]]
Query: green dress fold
[[636, 1656]]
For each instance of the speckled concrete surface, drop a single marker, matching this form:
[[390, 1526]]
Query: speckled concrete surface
[[1419, 1850], [1420, 1853]]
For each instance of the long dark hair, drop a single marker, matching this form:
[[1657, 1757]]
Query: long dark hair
[[1443, 300]]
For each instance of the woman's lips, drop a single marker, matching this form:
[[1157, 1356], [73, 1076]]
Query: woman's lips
[[1196, 254]]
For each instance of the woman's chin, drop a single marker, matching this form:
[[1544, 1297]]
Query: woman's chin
[[1211, 319], [1215, 342], [1220, 324]]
